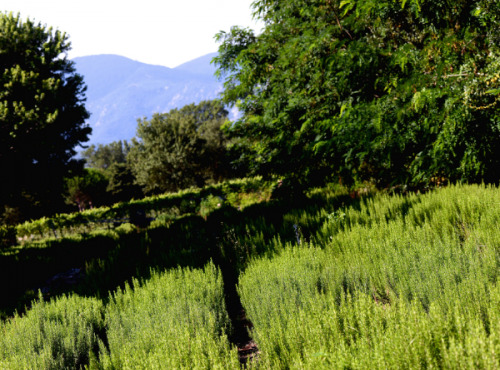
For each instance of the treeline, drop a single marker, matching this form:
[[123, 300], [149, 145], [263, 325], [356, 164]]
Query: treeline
[[42, 123], [176, 150]]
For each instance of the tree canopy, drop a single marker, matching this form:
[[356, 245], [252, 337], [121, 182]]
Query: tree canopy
[[87, 190], [111, 159], [42, 113], [103, 156], [182, 148], [396, 92]]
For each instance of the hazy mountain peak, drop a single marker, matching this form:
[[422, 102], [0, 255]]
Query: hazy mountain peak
[[201, 65], [121, 90]]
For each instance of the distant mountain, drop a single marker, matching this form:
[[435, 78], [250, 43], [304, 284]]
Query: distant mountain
[[121, 90]]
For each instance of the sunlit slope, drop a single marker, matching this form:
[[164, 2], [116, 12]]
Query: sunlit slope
[[398, 282], [381, 281]]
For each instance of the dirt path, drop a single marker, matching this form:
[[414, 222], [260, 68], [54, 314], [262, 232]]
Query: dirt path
[[247, 348], [241, 325]]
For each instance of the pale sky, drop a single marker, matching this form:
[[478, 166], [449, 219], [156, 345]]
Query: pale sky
[[162, 32]]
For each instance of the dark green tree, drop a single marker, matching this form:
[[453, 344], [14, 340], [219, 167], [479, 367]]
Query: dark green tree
[[87, 190], [182, 148], [122, 184], [397, 92], [42, 116], [104, 156], [112, 160]]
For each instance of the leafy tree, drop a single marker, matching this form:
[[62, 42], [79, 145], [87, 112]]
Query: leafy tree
[[179, 149], [403, 91], [42, 115], [88, 189], [122, 183], [104, 156], [112, 159]]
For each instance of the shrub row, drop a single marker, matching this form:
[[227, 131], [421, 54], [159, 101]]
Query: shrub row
[[106, 259], [396, 282], [187, 201], [176, 319], [60, 334]]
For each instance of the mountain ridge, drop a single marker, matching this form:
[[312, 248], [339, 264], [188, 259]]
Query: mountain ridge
[[121, 90]]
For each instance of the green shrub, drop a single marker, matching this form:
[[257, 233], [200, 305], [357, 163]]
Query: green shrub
[[209, 204], [52, 335], [174, 204], [176, 319], [398, 282], [125, 228]]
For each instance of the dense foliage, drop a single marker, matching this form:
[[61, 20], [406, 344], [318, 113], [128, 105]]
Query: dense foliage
[[397, 92], [122, 185], [236, 193], [41, 117], [56, 335], [179, 149], [175, 320], [104, 156], [394, 92], [111, 160], [396, 282], [87, 190]]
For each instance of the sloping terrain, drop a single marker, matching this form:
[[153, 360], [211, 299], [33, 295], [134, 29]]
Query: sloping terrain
[[332, 281]]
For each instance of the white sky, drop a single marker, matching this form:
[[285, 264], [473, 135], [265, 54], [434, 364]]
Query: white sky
[[162, 32]]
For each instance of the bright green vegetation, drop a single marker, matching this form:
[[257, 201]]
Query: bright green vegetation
[[399, 95], [174, 320], [334, 281], [109, 255], [52, 335], [389, 91], [397, 282]]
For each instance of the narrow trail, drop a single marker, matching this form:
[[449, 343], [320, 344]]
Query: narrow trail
[[247, 348], [224, 256], [240, 324]]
